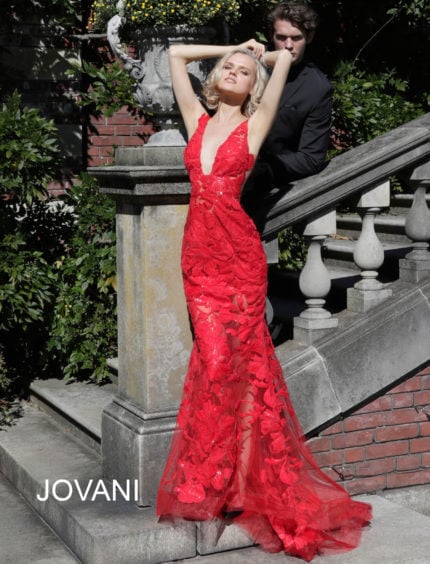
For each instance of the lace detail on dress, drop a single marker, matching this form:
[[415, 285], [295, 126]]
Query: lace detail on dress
[[238, 444]]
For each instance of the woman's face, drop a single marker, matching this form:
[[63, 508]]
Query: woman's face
[[237, 75]]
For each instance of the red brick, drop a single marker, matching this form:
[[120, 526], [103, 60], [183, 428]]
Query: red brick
[[131, 141], [124, 129], [402, 400], [103, 140], [409, 462], [364, 421], [101, 120], [375, 467], [331, 458], [395, 433], [382, 450], [333, 429], [380, 404], [122, 119], [424, 371], [411, 385], [365, 485], [401, 416], [353, 455], [420, 445], [403, 479], [105, 130], [355, 438], [332, 474], [93, 151], [422, 398], [106, 151], [425, 382], [425, 429], [425, 459], [319, 444]]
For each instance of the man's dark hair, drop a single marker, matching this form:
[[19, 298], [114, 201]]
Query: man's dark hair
[[300, 15]]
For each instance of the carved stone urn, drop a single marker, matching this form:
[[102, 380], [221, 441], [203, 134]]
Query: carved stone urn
[[153, 87]]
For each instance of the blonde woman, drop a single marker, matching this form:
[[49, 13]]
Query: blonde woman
[[237, 453]]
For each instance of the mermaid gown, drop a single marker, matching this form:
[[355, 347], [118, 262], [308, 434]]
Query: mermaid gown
[[238, 446]]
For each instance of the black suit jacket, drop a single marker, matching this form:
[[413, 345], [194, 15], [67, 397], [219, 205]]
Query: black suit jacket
[[297, 144]]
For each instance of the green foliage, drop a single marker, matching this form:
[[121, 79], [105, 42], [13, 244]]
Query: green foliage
[[28, 160], [29, 154], [166, 12], [9, 407], [292, 250], [111, 88], [57, 261], [57, 288], [83, 331], [366, 105], [59, 15], [417, 10]]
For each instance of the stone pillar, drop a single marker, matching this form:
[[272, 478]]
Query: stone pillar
[[315, 283], [369, 253], [416, 265], [154, 337]]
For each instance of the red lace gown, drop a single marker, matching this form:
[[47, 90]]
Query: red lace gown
[[238, 444]]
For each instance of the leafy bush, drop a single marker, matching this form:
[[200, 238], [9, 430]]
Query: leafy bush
[[57, 262], [111, 88], [29, 155], [29, 158], [368, 105], [83, 331], [27, 287]]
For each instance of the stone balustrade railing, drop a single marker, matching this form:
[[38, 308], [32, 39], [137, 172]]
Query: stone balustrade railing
[[363, 172]]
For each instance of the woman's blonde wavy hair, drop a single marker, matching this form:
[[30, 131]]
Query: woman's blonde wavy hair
[[211, 94]]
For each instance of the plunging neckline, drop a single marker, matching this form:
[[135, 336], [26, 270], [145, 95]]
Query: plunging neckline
[[207, 116]]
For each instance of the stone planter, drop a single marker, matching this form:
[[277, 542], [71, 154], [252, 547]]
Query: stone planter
[[153, 87]]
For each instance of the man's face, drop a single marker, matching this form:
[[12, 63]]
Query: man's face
[[287, 36]]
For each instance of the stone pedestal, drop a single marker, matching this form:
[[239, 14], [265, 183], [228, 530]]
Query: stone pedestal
[[154, 337]]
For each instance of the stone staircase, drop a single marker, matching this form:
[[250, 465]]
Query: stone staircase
[[58, 439]]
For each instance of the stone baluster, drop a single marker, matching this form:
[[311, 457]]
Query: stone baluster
[[416, 265], [315, 283], [369, 252]]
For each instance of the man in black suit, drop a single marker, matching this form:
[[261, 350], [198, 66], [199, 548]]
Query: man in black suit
[[297, 144]]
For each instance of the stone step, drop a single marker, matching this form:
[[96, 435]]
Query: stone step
[[397, 535], [24, 537], [76, 406], [404, 201], [36, 451]]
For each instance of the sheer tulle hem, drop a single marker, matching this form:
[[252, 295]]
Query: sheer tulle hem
[[275, 535]]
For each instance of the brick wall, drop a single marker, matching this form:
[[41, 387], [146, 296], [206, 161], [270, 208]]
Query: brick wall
[[120, 130], [383, 445]]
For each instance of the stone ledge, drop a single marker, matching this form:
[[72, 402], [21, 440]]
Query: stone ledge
[[369, 352], [76, 406]]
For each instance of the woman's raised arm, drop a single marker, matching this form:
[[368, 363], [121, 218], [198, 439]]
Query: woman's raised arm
[[261, 121]]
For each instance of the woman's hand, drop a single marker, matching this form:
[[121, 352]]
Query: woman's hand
[[257, 48]]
